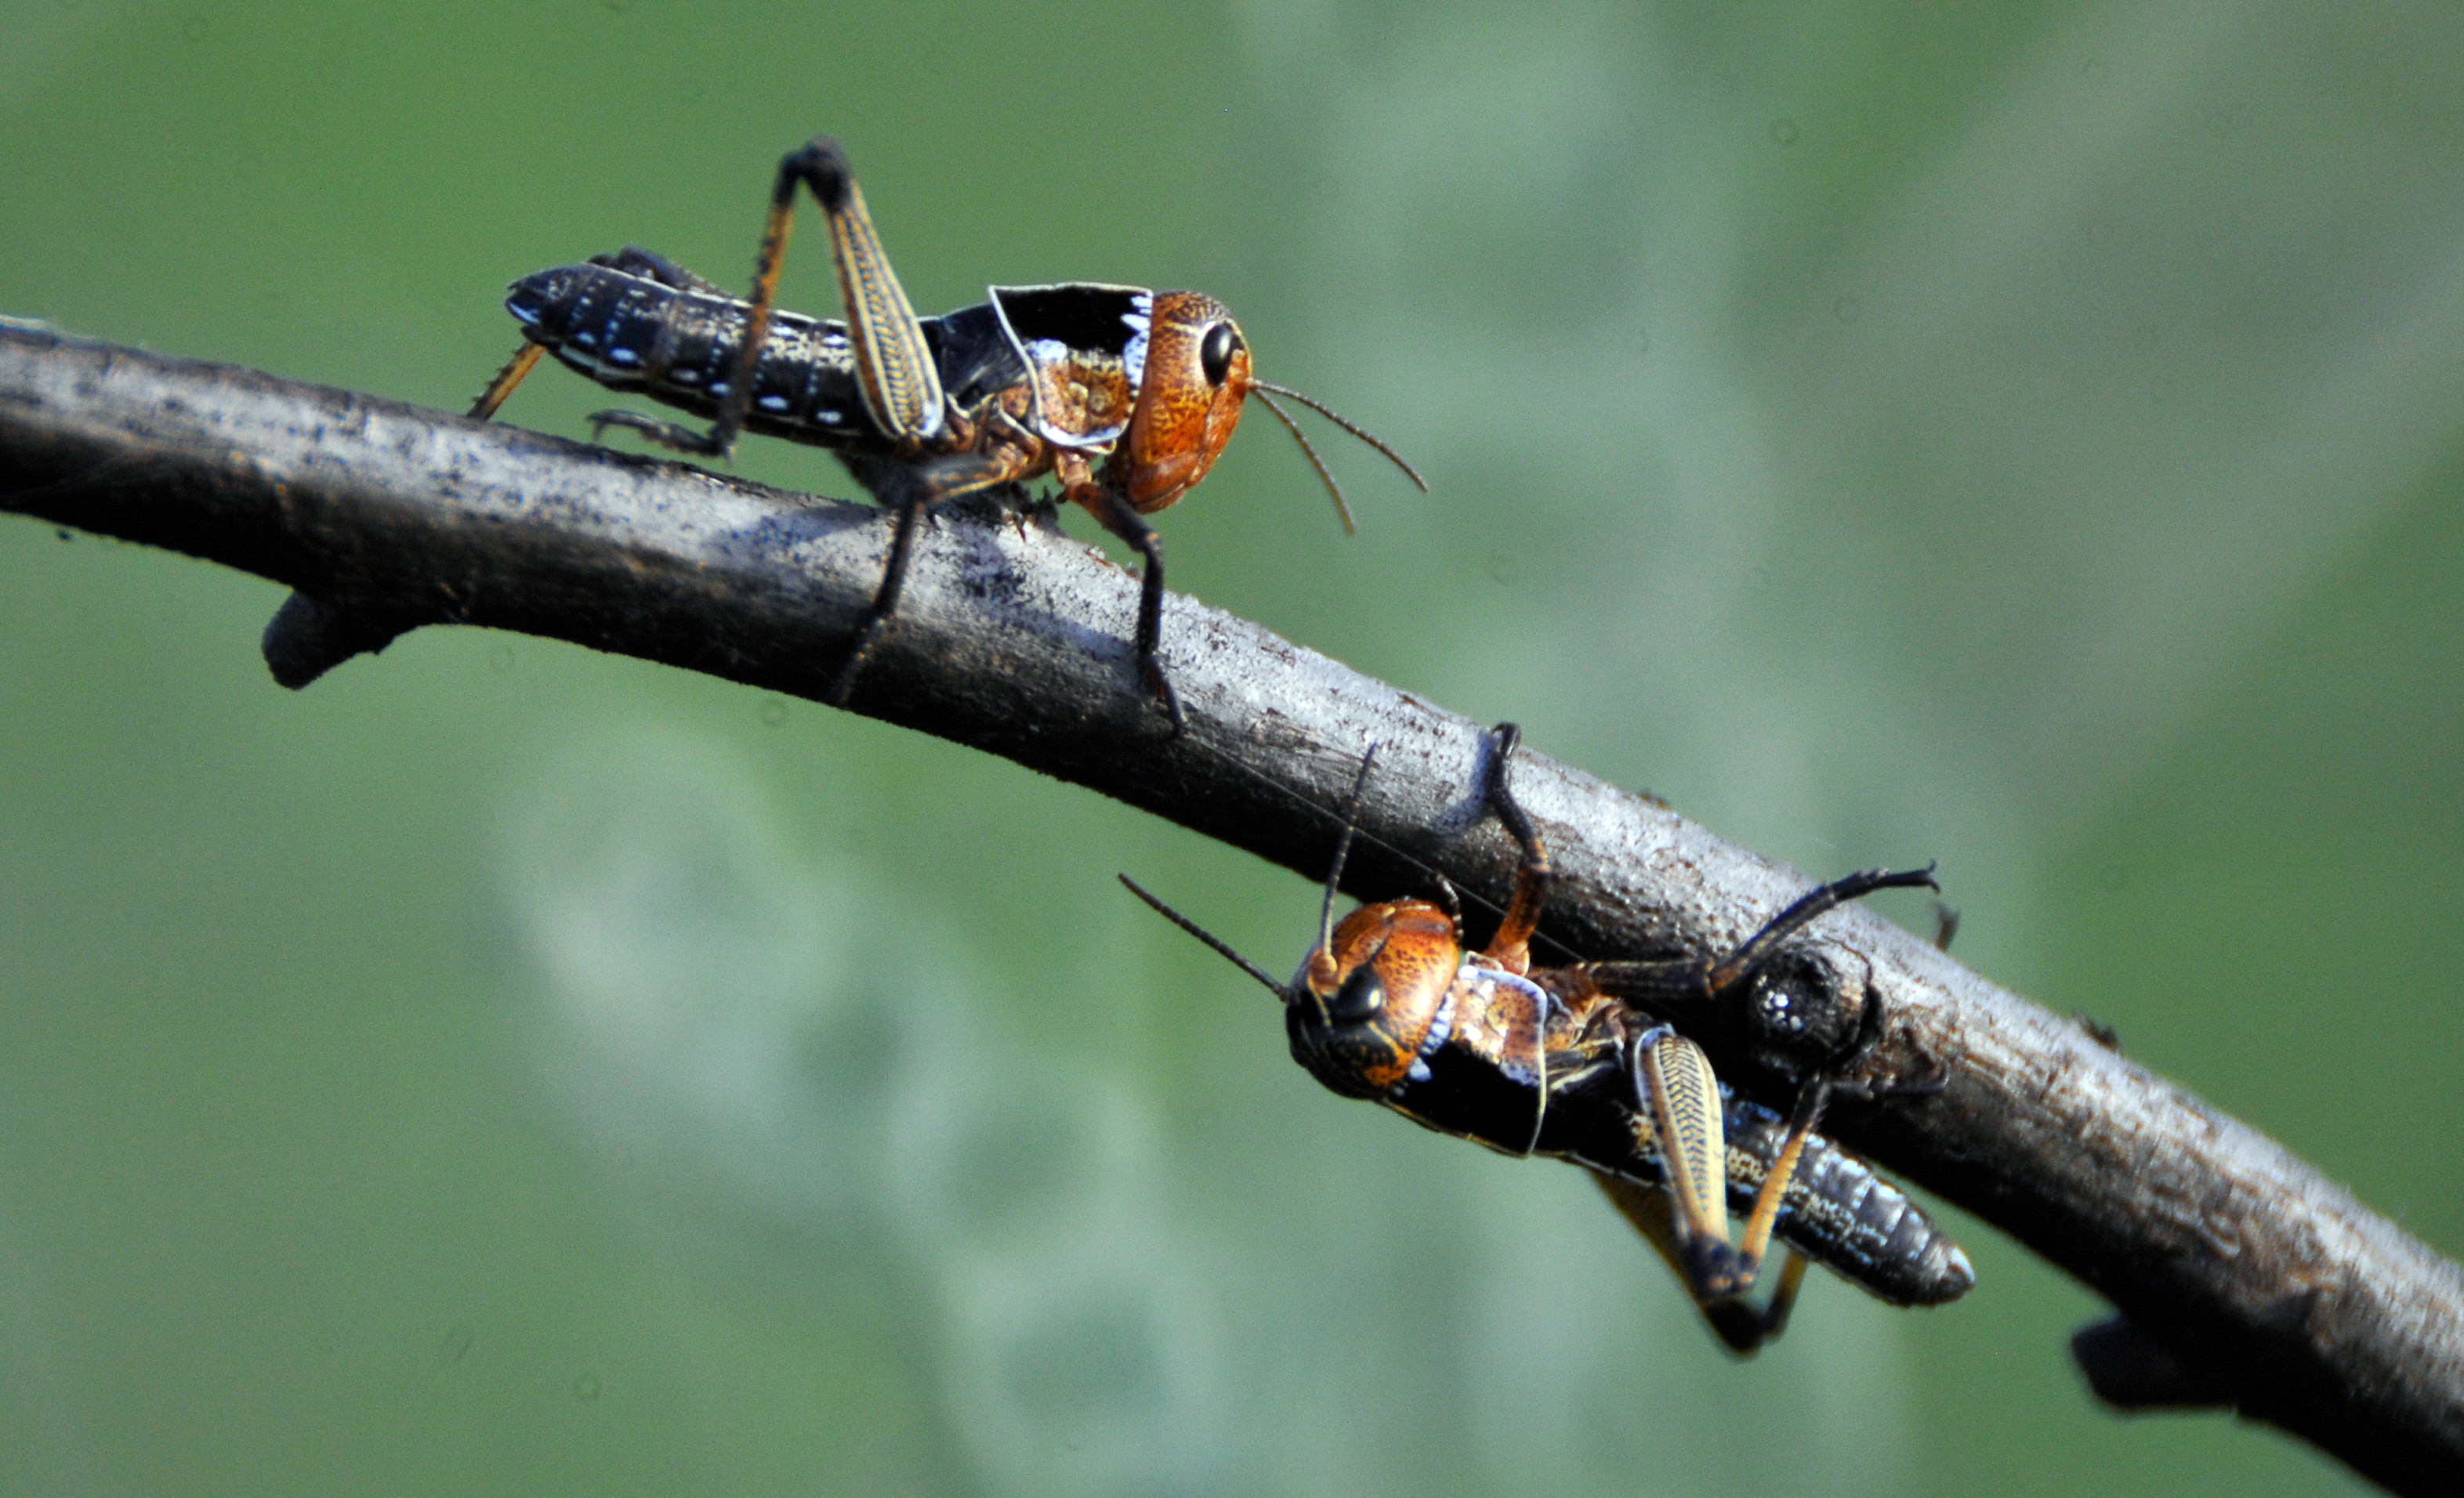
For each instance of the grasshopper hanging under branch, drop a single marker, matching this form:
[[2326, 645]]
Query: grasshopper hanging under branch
[[1124, 396], [1392, 1005]]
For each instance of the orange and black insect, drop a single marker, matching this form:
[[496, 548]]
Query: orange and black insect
[[1392, 1005], [1125, 395]]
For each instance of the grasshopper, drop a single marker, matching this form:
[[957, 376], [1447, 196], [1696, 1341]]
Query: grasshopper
[[1393, 1005], [1124, 396]]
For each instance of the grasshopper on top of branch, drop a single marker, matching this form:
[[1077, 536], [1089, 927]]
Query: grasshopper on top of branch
[[1123, 395]]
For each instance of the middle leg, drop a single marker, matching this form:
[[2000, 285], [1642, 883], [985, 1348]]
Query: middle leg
[[947, 479]]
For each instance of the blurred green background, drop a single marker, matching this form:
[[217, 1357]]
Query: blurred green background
[[2027, 436]]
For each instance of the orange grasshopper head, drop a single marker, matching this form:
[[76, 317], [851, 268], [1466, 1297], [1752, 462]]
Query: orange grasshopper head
[[1364, 1006], [1196, 375], [1370, 1002]]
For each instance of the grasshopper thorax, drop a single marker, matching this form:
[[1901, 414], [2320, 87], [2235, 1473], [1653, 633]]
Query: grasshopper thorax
[[1369, 1005]]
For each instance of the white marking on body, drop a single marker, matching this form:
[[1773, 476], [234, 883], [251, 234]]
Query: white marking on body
[[1514, 1066], [1047, 351], [1441, 1025], [825, 416], [623, 356], [1537, 995], [771, 402], [809, 393], [528, 316], [684, 376], [1133, 359]]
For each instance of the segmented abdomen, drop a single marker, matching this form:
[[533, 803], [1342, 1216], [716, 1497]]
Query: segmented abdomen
[[1841, 1214], [677, 345]]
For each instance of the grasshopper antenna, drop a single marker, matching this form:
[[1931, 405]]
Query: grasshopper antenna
[[1342, 851], [1267, 391], [1313, 809], [1353, 427], [1222, 948], [1342, 511]]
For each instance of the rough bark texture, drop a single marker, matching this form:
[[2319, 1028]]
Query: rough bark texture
[[2244, 1276]]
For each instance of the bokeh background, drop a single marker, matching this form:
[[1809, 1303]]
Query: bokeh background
[[2029, 436]]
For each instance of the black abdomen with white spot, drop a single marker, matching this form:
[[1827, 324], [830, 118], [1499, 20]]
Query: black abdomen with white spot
[[1840, 1212], [1837, 1211], [635, 321]]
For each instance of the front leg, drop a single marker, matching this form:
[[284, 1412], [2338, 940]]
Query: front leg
[[1510, 949], [1123, 520]]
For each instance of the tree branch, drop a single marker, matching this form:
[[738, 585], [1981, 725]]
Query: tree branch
[[2246, 1278]]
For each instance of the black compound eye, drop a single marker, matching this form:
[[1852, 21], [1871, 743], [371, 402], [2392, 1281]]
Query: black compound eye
[[1361, 996], [1215, 351]]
